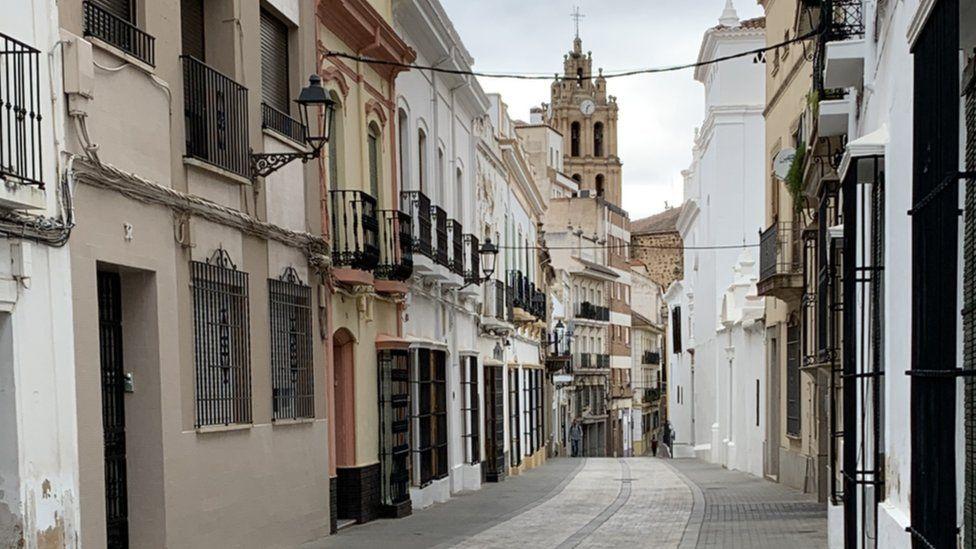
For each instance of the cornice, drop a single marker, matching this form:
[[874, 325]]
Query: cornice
[[365, 31], [918, 21]]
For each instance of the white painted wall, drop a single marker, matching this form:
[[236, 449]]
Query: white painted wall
[[38, 422]]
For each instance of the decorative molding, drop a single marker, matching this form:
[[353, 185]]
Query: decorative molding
[[333, 74], [918, 21], [373, 106]]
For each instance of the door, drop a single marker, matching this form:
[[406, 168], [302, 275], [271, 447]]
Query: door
[[494, 424], [113, 408]]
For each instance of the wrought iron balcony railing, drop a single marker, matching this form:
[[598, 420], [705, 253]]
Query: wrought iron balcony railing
[[846, 19], [417, 205], [652, 395], [457, 247], [20, 113], [539, 304], [279, 122], [602, 361], [396, 246], [592, 360], [215, 107], [439, 220], [651, 357], [108, 27], [354, 230], [779, 251], [472, 259], [589, 311]]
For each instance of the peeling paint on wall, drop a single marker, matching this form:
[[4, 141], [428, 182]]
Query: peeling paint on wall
[[11, 528]]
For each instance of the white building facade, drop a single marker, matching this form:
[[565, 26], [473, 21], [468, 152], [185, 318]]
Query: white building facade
[[39, 503], [722, 212], [436, 113]]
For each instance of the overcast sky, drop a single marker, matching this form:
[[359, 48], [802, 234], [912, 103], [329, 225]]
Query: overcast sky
[[658, 113]]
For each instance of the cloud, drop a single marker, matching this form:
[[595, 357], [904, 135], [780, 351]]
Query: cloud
[[658, 113]]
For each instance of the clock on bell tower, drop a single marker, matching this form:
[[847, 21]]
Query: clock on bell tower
[[587, 117]]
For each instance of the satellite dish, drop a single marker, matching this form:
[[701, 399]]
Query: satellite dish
[[782, 163]]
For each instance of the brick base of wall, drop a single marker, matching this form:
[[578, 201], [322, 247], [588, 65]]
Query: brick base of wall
[[400, 510], [333, 505], [358, 493]]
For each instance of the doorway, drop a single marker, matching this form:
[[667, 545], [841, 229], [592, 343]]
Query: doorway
[[494, 424], [113, 408], [343, 357]]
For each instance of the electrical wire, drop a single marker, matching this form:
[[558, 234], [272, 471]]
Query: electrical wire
[[633, 246], [549, 76]]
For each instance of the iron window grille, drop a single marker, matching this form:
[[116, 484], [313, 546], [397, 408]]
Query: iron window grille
[[494, 423], [21, 158], [430, 416], [471, 260], [417, 205], [279, 122], [215, 107], [222, 341], [439, 221], [793, 379], [514, 429], [439, 386], [396, 247], [354, 230], [394, 426], [528, 408], [292, 377], [119, 32], [539, 409], [470, 409]]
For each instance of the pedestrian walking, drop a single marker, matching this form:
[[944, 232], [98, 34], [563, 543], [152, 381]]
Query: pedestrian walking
[[575, 437], [654, 445]]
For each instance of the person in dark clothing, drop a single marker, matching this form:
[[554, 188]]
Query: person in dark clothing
[[654, 445], [575, 437]]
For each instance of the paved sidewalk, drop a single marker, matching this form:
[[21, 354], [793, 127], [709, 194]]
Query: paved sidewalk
[[607, 503], [741, 510]]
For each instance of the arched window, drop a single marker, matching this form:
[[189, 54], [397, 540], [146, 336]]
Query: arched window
[[599, 184], [579, 76], [574, 133], [421, 159], [335, 140], [373, 154], [403, 147], [598, 139], [459, 195], [441, 184]]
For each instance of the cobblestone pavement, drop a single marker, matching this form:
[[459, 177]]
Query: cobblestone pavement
[[604, 503], [741, 510]]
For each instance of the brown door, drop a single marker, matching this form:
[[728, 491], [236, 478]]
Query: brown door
[[343, 349]]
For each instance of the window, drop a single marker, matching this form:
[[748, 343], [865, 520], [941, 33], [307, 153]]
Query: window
[[373, 151], [528, 408], [221, 335], [574, 147], [402, 148], [430, 416], [292, 387], [515, 448], [459, 195], [539, 418], [421, 158], [577, 178], [598, 139], [470, 409], [793, 379], [192, 25], [676, 328], [335, 138], [274, 62], [21, 142], [599, 184], [441, 184]]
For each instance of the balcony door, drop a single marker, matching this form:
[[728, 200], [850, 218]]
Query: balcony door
[[192, 28], [494, 424]]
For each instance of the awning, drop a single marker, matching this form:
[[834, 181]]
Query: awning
[[872, 144]]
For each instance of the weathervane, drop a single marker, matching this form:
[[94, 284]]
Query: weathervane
[[577, 16]]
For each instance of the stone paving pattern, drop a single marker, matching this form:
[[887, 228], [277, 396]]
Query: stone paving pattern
[[604, 503]]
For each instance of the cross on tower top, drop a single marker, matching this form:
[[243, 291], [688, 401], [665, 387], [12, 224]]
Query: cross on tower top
[[577, 16]]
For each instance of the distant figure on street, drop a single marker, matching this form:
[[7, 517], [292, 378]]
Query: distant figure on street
[[575, 437], [654, 445]]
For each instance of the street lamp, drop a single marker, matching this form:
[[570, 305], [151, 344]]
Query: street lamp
[[487, 254], [311, 97]]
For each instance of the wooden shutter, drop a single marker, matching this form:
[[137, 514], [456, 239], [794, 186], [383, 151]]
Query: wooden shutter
[[119, 8], [191, 18], [274, 62]]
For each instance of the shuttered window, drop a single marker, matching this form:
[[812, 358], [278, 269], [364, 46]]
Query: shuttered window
[[274, 62], [373, 140], [191, 16], [119, 8]]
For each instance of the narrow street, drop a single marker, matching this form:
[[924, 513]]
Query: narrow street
[[607, 502]]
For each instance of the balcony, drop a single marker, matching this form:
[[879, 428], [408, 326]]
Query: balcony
[[845, 46], [589, 311], [651, 396], [439, 221], [215, 107], [540, 306], [457, 247], [780, 262], [279, 122], [590, 361], [396, 246], [21, 158], [119, 33], [472, 259], [651, 357], [417, 205], [354, 230]]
